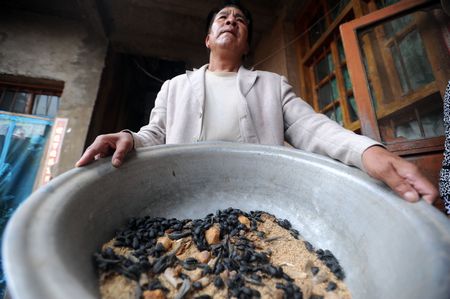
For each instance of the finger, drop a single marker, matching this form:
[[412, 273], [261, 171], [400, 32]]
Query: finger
[[87, 157], [423, 186], [102, 155], [122, 148], [400, 185]]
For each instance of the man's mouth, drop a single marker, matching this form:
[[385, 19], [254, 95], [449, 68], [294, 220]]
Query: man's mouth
[[228, 31]]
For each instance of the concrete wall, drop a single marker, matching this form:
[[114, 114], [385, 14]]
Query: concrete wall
[[274, 54], [47, 47], [270, 45]]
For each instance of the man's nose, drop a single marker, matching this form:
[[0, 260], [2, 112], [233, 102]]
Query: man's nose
[[231, 20]]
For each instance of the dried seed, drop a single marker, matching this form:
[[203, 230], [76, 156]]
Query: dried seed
[[177, 270], [247, 291], [212, 235], [320, 277], [244, 220], [197, 285], [166, 242], [204, 281], [331, 286], [171, 278], [285, 224], [218, 282], [203, 256], [179, 235], [184, 289], [135, 243], [190, 263], [183, 246], [154, 294], [309, 246], [143, 280]]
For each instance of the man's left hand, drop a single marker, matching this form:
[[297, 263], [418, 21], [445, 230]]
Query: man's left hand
[[402, 176]]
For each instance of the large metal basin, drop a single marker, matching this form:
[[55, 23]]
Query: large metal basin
[[389, 248]]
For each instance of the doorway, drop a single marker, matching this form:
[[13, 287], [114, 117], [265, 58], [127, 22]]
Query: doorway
[[127, 92]]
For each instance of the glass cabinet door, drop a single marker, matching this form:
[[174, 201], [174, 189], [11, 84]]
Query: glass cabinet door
[[399, 56], [402, 68]]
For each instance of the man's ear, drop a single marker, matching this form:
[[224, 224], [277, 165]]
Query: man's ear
[[207, 41]]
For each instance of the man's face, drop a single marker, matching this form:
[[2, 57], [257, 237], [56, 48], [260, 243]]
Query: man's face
[[228, 31]]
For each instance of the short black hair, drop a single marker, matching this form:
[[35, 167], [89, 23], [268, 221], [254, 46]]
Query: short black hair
[[237, 4]]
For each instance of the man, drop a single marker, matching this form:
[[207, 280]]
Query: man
[[224, 101]]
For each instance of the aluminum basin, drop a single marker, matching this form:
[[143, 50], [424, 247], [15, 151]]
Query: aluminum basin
[[389, 248]]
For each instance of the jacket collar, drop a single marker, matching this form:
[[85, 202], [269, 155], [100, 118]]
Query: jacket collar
[[246, 80], [197, 80]]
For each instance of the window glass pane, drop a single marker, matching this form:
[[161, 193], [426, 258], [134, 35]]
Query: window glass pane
[[423, 120], [317, 27], [411, 62], [347, 81], [339, 118], [20, 102], [325, 95], [396, 26], [335, 114], [417, 65], [351, 103], [53, 107], [334, 89], [45, 105], [401, 72], [40, 105], [7, 100], [324, 67], [402, 79], [331, 114]]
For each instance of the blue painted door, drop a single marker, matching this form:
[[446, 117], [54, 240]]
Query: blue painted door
[[22, 143]]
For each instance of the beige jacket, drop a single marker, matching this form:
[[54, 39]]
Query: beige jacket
[[269, 113]]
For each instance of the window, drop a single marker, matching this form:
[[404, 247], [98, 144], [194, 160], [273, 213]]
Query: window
[[40, 98], [23, 101], [401, 73], [324, 67]]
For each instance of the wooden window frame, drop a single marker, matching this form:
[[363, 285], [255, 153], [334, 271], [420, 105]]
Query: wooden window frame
[[357, 72], [33, 87], [309, 55]]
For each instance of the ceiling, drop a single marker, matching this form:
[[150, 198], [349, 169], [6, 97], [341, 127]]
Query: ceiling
[[168, 29]]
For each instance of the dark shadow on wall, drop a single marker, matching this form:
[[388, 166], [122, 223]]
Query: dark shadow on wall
[[127, 92]]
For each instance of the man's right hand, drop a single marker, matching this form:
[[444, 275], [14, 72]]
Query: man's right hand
[[118, 144]]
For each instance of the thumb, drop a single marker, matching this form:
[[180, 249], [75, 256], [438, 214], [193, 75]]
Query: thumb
[[399, 184]]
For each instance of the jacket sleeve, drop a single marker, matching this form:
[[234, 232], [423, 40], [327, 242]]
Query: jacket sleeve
[[307, 130], [155, 132]]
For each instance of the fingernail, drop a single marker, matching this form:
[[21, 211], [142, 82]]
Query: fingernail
[[410, 196], [116, 162]]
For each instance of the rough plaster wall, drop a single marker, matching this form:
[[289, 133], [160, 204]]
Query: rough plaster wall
[[53, 48], [281, 61], [269, 44]]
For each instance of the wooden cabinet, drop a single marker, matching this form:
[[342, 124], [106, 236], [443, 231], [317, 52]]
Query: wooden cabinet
[[399, 69], [379, 68]]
